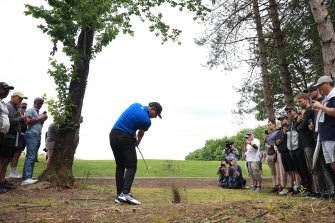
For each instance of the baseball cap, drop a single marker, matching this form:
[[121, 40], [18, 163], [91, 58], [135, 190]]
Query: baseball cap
[[158, 108], [310, 88], [283, 117], [251, 133], [5, 86], [323, 79], [291, 108], [20, 94]]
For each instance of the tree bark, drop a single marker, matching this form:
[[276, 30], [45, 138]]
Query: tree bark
[[326, 33], [264, 63], [279, 43], [59, 172]]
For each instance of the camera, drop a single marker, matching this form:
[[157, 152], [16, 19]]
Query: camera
[[45, 112], [266, 132], [310, 121], [284, 125]]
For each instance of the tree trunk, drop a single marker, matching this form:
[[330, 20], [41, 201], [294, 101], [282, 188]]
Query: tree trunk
[[59, 172], [264, 63], [279, 42], [326, 33]]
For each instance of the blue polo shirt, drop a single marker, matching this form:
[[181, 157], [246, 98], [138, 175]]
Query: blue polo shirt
[[134, 118], [36, 127]]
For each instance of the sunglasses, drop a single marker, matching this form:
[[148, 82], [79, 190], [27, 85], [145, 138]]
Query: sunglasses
[[24, 107]]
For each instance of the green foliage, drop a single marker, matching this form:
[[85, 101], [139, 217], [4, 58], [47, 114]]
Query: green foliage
[[66, 20], [213, 148]]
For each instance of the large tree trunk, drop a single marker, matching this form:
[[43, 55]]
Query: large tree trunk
[[59, 172], [264, 63], [326, 33], [279, 42]]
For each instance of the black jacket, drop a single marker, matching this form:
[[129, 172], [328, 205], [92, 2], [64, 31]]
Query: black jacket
[[282, 147], [306, 138]]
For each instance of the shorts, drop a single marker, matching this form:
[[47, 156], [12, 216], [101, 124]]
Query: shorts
[[8, 148], [50, 148], [287, 161], [254, 170], [328, 148]]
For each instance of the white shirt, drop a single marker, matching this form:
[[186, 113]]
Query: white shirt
[[4, 120], [252, 153]]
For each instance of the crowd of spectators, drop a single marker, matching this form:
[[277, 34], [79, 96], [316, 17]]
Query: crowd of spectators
[[300, 151], [19, 128]]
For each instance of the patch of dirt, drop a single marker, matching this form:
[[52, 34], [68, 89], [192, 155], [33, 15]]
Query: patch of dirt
[[92, 200]]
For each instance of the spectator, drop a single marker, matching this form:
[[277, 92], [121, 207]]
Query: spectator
[[269, 143], [230, 151], [252, 146], [4, 128], [296, 152], [236, 180], [286, 159], [328, 174], [21, 144], [307, 142], [223, 174], [35, 123], [50, 141], [325, 123], [12, 137]]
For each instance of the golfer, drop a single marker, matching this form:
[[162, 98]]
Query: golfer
[[127, 134]]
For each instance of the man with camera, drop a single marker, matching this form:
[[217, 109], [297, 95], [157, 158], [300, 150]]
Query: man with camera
[[251, 148], [235, 180], [230, 151], [35, 123], [223, 172]]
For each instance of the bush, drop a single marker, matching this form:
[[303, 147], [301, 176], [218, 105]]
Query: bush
[[213, 147]]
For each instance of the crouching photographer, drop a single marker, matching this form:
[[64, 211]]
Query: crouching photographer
[[223, 172], [230, 151], [235, 180]]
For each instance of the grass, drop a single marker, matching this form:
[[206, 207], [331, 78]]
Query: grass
[[159, 168]]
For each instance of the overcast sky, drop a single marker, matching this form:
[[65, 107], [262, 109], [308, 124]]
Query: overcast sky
[[196, 102]]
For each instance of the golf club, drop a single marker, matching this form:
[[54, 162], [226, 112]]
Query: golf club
[[148, 168]]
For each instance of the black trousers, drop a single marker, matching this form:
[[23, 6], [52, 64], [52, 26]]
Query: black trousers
[[123, 146], [299, 161]]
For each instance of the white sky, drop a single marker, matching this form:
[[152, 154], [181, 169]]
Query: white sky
[[196, 102]]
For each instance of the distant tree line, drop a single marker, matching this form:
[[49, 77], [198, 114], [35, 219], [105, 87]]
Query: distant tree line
[[214, 147]]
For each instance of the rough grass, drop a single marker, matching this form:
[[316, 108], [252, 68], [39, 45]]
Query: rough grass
[[159, 168]]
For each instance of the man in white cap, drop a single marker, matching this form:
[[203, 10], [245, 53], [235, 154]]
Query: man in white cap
[[325, 121], [12, 136]]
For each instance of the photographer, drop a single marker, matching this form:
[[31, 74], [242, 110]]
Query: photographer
[[223, 174], [230, 152], [236, 180], [251, 148]]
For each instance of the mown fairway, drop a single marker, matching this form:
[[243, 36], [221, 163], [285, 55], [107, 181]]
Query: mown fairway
[[159, 168]]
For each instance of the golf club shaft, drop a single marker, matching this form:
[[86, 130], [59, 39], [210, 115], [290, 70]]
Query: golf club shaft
[[143, 158]]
